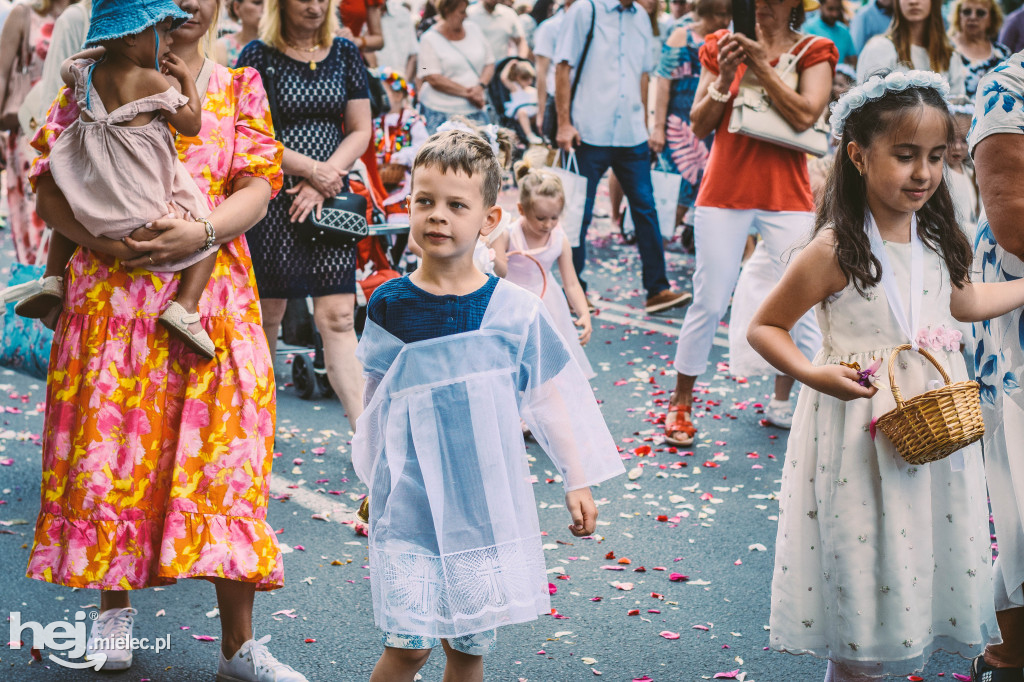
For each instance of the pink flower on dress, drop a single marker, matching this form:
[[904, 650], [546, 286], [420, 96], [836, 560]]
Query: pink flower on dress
[[939, 338]]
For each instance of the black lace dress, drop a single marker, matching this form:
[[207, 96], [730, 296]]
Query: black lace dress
[[312, 105]]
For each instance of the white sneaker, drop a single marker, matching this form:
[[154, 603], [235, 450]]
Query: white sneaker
[[111, 636], [780, 414], [254, 663]]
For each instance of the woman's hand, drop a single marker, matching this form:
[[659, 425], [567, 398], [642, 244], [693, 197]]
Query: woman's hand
[[657, 141], [754, 54], [841, 382], [306, 199], [166, 240], [476, 96], [730, 54], [327, 179]]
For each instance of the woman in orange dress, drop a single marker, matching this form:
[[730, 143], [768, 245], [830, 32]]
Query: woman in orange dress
[[156, 462]]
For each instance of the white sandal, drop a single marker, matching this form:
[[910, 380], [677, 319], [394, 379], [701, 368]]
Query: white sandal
[[177, 319], [36, 299]]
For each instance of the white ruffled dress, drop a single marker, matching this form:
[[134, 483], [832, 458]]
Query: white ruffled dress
[[879, 563]]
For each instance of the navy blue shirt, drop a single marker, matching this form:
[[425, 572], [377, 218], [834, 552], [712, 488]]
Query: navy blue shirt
[[412, 314]]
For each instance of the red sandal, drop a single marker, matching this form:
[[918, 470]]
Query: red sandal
[[680, 424]]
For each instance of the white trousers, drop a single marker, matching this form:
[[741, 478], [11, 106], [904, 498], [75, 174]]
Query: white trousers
[[719, 238]]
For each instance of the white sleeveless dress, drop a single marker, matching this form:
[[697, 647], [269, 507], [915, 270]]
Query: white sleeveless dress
[[879, 563], [532, 274]]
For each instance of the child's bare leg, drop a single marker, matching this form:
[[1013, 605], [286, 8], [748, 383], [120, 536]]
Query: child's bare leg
[[399, 665], [61, 251], [193, 283], [462, 667]]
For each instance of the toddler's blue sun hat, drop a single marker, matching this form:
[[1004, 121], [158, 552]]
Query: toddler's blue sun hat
[[118, 18]]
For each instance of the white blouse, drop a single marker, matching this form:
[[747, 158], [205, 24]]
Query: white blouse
[[880, 54]]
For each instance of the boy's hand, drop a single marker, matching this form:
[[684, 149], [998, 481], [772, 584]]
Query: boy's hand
[[173, 65], [580, 504], [585, 329]]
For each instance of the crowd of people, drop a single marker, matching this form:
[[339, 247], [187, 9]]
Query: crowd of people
[[845, 176]]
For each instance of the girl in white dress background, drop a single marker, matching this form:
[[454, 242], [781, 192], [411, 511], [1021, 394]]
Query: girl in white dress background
[[536, 242], [880, 563]]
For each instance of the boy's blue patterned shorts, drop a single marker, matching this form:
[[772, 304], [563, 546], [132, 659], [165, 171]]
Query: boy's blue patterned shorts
[[477, 644]]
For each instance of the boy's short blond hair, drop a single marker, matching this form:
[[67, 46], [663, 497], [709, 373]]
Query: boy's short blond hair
[[460, 150]]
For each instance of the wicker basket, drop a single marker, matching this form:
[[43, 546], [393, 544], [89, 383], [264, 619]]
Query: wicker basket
[[935, 424], [392, 175]]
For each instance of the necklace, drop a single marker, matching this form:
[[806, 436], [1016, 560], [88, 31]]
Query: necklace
[[307, 50]]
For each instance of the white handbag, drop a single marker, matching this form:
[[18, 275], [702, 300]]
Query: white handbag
[[574, 186], [753, 114]]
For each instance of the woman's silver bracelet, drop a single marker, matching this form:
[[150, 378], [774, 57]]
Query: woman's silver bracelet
[[211, 235], [717, 94]]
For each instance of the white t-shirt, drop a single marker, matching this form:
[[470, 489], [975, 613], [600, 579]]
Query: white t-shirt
[[880, 53], [399, 33], [462, 61], [545, 39], [500, 26]]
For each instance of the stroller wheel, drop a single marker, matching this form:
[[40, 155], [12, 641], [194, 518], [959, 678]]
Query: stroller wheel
[[324, 384], [303, 376]]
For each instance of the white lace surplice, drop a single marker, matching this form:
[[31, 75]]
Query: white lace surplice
[[455, 545]]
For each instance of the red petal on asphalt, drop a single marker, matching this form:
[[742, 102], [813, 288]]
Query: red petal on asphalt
[[731, 675], [309, 640], [653, 611], [701, 627], [37, 654], [204, 638], [667, 634], [609, 556], [633, 612], [662, 517], [643, 679], [962, 678], [678, 577], [657, 596], [551, 588], [916, 678]]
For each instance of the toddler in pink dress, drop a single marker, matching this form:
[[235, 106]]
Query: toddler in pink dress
[[118, 167], [536, 243]]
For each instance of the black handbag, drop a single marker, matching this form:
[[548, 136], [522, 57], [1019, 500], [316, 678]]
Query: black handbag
[[342, 221], [379, 102]]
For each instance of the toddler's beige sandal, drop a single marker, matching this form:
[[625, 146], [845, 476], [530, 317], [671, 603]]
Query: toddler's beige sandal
[[177, 319], [37, 299]]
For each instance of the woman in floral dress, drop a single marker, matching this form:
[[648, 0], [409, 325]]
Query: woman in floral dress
[[996, 143], [156, 462], [678, 72]]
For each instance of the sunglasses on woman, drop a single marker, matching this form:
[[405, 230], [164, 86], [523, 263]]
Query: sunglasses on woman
[[971, 12]]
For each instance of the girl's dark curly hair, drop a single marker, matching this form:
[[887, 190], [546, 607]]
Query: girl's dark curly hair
[[844, 203]]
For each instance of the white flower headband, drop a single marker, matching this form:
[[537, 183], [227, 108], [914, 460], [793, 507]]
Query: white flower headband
[[875, 88], [488, 132]]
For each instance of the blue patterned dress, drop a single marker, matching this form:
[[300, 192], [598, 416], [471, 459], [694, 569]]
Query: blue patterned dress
[[999, 357], [684, 153], [976, 70]]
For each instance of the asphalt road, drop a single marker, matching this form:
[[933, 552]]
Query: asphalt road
[[708, 513]]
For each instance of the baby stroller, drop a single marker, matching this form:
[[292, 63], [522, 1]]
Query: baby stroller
[[373, 268], [499, 95]]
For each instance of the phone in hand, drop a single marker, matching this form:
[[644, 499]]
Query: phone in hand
[[743, 18]]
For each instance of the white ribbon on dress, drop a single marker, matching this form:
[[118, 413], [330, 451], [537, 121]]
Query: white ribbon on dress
[[892, 294], [910, 324]]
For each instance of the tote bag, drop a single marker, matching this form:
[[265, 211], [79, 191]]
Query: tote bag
[[575, 186], [666, 196]]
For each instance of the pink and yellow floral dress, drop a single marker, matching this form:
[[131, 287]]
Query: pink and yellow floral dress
[[156, 462]]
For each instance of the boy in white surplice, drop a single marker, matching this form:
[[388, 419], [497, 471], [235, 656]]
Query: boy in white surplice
[[454, 359]]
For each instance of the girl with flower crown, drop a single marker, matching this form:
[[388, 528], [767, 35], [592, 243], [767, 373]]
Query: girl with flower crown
[[398, 135], [878, 562]]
